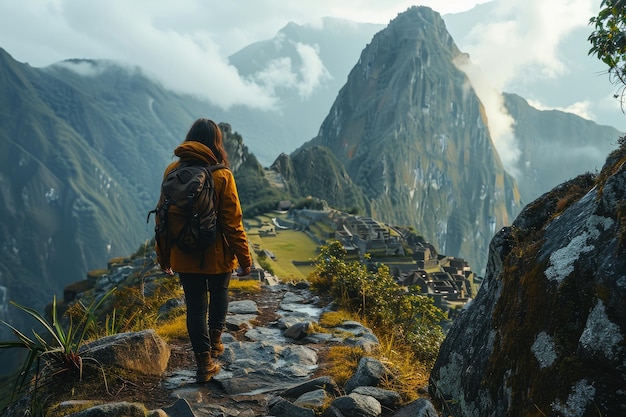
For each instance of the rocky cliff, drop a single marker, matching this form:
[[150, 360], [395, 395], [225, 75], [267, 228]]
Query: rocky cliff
[[546, 333], [412, 134], [316, 172]]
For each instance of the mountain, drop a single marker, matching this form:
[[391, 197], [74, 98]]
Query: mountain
[[315, 61], [581, 79], [83, 147], [555, 146], [64, 201], [545, 334], [317, 172], [338, 44], [413, 136]]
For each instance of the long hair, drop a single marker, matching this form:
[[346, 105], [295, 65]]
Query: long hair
[[208, 133]]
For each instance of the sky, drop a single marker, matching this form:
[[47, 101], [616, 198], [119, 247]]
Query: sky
[[185, 43]]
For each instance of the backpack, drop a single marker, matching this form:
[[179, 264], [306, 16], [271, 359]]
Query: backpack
[[186, 215]]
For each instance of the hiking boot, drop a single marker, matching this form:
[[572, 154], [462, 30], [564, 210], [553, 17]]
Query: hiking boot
[[206, 367], [217, 347]]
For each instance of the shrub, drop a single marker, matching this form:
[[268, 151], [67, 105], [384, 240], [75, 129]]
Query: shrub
[[408, 318]]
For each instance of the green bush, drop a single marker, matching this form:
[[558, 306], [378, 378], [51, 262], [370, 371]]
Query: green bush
[[374, 295]]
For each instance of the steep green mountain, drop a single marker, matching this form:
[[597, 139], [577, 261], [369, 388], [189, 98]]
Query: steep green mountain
[[412, 134], [555, 146], [317, 172], [83, 147], [64, 204]]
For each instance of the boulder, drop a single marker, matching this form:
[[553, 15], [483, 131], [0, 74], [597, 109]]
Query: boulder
[[142, 351], [546, 332]]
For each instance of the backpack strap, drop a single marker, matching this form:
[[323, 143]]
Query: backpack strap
[[212, 168]]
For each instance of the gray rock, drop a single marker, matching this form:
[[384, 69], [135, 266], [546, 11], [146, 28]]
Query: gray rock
[[332, 412], [240, 321], [121, 409], [323, 382], [267, 334], [387, 398], [369, 372], [418, 408], [313, 399], [549, 317], [357, 405], [243, 307], [142, 351], [290, 318], [283, 408], [366, 341], [171, 304], [298, 331], [254, 367], [180, 408]]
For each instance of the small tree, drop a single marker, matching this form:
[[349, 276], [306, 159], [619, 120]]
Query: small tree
[[608, 41]]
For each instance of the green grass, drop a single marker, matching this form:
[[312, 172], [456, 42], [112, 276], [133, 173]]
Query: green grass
[[289, 245]]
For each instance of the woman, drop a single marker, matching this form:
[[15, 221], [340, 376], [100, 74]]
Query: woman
[[205, 275]]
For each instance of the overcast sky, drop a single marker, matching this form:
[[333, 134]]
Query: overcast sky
[[185, 43], [45, 31]]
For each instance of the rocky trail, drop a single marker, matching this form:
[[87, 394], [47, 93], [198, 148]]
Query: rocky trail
[[240, 389], [267, 353], [272, 365]]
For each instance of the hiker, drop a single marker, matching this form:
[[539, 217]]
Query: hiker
[[205, 274]]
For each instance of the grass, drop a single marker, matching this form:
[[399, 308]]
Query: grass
[[289, 246], [173, 329], [244, 285], [340, 362]]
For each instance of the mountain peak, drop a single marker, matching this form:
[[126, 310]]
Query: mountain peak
[[412, 134]]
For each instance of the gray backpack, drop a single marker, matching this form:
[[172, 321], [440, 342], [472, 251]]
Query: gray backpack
[[186, 215]]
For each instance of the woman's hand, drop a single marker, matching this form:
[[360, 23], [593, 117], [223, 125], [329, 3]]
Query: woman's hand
[[242, 272], [168, 270]]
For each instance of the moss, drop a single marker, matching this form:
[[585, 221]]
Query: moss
[[621, 218], [614, 162], [96, 273], [119, 261], [531, 304]]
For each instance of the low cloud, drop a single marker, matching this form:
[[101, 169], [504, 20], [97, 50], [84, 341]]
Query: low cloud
[[185, 43], [312, 72], [580, 108], [519, 40], [500, 123]]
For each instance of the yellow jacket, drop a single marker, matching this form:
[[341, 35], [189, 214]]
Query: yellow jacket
[[226, 253]]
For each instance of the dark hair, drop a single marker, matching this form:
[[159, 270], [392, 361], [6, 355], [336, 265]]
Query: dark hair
[[208, 133]]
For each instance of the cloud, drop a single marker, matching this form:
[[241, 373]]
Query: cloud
[[521, 38], [500, 123], [84, 68], [184, 61], [580, 108], [312, 71], [183, 43], [518, 41]]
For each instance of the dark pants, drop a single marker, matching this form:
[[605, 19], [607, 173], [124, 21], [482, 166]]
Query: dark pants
[[205, 293]]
